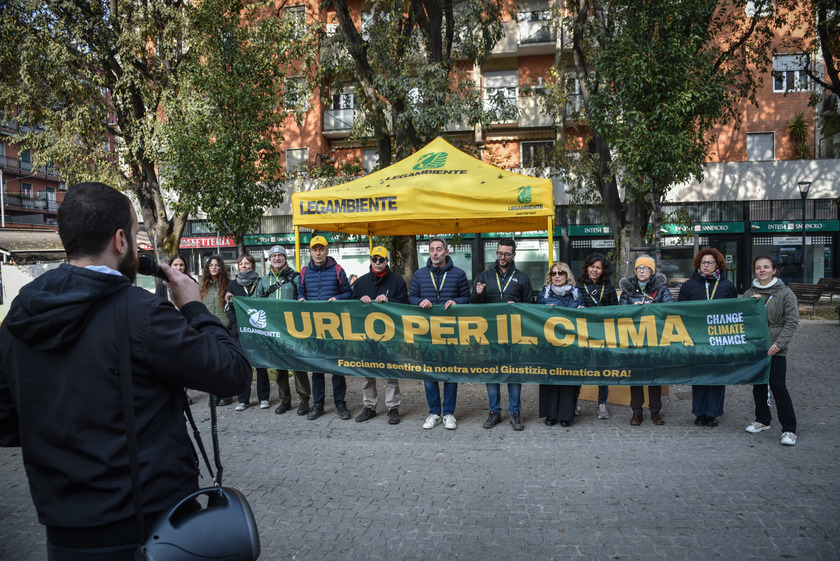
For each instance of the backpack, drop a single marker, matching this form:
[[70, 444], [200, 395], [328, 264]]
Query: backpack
[[337, 275]]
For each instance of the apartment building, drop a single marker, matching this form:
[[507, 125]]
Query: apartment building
[[749, 202], [31, 195]]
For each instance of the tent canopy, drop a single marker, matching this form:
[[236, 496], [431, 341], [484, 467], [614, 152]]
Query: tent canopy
[[438, 189]]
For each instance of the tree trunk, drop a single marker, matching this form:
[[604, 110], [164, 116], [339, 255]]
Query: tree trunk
[[164, 233]]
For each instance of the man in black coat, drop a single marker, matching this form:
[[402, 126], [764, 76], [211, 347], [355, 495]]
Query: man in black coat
[[503, 283], [380, 285], [61, 334]]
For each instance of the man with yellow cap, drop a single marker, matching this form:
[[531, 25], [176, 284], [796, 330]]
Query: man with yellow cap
[[646, 287], [324, 279], [378, 286]]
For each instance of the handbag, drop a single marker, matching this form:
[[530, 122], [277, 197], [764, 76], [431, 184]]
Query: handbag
[[221, 526]]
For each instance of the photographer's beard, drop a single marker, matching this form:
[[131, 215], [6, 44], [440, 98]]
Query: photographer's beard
[[128, 264]]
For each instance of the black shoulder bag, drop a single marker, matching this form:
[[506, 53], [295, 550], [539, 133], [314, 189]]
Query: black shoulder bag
[[223, 528]]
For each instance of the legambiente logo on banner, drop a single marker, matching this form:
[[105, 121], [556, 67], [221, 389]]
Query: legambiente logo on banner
[[257, 318]]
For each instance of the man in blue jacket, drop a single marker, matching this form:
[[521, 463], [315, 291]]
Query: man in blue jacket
[[503, 283], [324, 279], [439, 282]]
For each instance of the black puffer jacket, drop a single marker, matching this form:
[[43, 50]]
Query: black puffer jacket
[[60, 397], [389, 284], [655, 290]]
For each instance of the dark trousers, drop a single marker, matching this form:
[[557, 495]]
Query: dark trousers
[[707, 400], [784, 405], [637, 398], [263, 387], [319, 389]]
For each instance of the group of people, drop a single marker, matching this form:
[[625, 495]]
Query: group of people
[[74, 328], [441, 283]]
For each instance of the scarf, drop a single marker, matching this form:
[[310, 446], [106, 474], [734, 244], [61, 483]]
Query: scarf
[[711, 277], [560, 290], [247, 278]]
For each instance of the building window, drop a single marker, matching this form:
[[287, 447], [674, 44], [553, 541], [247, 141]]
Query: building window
[[500, 93], [50, 191], [760, 146], [296, 99], [26, 190], [371, 162], [26, 161], [789, 73], [536, 154], [297, 15], [297, 160]]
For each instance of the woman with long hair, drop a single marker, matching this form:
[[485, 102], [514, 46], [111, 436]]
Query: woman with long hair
[[214, 285], [596, 289], [558, 402], [708, 282], [782, 318], [178, 262]]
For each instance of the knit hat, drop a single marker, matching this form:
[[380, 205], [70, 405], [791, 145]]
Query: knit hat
[[277, 249], [647, 261], [379, 251], [318, 240]]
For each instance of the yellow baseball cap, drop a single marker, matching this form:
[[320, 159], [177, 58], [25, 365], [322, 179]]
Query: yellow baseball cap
[[318, 240], [379, 251]]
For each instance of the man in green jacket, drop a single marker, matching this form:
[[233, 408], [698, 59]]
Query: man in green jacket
[[282, 282]]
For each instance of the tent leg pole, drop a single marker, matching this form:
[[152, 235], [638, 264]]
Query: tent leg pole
[[550, 241], [297, 247]]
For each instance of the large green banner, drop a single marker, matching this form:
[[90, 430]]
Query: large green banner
[[718, 342]]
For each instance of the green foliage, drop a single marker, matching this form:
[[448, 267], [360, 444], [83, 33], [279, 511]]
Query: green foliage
[[223, 128], [797, 130], [83, 74]]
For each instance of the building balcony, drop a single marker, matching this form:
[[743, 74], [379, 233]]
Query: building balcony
[[23, 201], [338, 122]]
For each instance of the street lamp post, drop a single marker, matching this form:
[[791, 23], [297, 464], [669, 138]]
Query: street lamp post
[[803, 192]]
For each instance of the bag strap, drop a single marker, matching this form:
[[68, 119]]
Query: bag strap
[[127, 389], [124, 364]]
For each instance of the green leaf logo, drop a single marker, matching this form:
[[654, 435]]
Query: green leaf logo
[[431, 161], [524, 194]]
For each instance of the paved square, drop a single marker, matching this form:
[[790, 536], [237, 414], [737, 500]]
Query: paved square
[[340, 490]]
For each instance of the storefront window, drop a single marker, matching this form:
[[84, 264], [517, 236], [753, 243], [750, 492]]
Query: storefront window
[[787, 251]]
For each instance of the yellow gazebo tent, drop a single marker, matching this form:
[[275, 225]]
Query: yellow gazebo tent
[[438, 189]]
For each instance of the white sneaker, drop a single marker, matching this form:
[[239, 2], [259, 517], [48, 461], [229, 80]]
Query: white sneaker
[[449, 422], [431, 421], [757, 427], [603, 412], [242, 406], [788, 439], [264, 404], [577, 410]]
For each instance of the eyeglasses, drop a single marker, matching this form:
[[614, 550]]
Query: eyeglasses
[[642, 268], [378, 260], [708, 263], [503, 254], [556, 273]]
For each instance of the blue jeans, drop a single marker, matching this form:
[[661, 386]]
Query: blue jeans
[[494, 391], [450, 393], [603, 394]]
